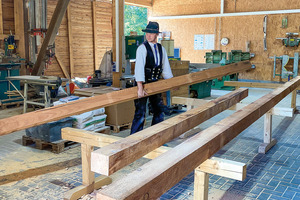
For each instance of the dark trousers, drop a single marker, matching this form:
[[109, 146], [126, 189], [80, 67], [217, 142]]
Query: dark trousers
[[140, 112]]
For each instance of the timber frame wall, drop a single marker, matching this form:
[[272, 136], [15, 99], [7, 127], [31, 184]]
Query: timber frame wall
[[239, 29], [85, 34]]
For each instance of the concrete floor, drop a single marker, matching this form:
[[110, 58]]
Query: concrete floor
[[274, 175]]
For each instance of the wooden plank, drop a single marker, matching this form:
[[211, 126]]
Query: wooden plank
[[62, 66], [70, 37], [192, 102], [265, 147], [79, 191], [1, 19], [35, 118], [140, 3], [55, 22], [172, 166], [253, 84], [109, 159], [225, 168], [201, 180], [3, 36], [19, 26], [101, 140]]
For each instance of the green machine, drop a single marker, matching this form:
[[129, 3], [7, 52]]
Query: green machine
[[290, 40], [132, 43], [215, 56], [201, 90], [234, 56]]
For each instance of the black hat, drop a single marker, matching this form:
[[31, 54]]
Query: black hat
[[152, 27]]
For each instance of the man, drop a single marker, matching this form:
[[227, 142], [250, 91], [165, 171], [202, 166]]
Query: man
[[151, 62]]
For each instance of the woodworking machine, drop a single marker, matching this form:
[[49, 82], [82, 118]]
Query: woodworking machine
[[290, 40]]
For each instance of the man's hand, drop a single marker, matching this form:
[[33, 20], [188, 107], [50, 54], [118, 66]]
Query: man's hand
[[141, 92]]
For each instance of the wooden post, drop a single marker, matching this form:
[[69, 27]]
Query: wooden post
[[1, 19], [268, 141], [268, 127], [201, 180], [88, 177], [117, 75], [19, 29], [62, 66], [294, 98], [95, 35], [72, 70]]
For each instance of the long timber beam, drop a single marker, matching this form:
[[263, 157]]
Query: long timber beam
[[253, 84], [101, 140], [27, 120], [111, 158], [154, 178], [217, 166], [192, 102]]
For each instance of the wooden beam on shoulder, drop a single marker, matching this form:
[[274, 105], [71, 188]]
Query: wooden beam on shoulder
[[39, 117], [159, 175], [54, 25], [109, 159]]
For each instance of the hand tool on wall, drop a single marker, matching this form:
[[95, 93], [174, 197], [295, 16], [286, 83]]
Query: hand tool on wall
[[265, 32]]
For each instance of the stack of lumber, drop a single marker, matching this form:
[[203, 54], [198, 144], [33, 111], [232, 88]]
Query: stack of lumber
[[94, 91], [15, 93]]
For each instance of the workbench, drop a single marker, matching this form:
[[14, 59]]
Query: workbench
[[45, 81]]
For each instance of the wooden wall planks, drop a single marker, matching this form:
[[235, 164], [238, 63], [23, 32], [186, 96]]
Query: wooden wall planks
[[239, 30], [82, 31]]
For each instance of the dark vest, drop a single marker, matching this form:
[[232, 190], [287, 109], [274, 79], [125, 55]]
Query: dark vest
[[152, 72]]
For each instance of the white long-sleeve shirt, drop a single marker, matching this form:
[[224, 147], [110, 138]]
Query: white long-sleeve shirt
[[141, 54]]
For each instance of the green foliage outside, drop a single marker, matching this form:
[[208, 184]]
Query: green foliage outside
[[135, 19]]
